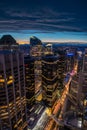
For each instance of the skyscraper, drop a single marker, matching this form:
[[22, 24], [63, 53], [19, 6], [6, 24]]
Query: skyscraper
[[36, 53], [48, 49], [7, 42], [77, 97], [12, 86], [29, 80], [70, 57], [61, 68], [49, 79], [83, 88], [72, 96], [35, 47], [83, 79]]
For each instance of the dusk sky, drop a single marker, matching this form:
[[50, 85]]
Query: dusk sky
[[49, 20]]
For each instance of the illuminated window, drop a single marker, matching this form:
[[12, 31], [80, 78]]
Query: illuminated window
[[10, 81], [2, 80], [10, 77]]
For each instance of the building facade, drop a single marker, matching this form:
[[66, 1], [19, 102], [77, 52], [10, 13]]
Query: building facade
[[70, 56], [49, 79], [29, 80], [61, 68], [12, 87], [36, 53]]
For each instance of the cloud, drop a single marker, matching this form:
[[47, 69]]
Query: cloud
[[43, 20], [18, 25], [35, 13]]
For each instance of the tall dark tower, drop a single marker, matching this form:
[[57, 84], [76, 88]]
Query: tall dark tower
[[29, 80], [36, 53], [61, 68], [70, 57], [12, 86], [7, 42], [49, 79]]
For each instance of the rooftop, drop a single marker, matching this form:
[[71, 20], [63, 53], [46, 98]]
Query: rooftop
[[7, 40]]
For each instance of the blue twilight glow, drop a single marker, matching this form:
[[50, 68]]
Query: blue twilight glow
[[49, 20], [23, 36]]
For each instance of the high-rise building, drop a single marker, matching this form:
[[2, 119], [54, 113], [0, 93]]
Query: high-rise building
[[12, 86], [7, 42], [74, 86], [35, 47], [36, 53], [83, 88], [49, 79], [83, 79], [70, 57], [80, 61], [29, 80], [73, 94], [77, 97], [61, 68], [48, 49]]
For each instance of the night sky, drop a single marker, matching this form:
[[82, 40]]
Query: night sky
[[49, 20]]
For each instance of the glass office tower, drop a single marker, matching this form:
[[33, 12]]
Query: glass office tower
[[12, 86], [29, 80], [36, 53], [49, 79]]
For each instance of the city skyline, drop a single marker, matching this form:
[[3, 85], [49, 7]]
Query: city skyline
[[55, 21], [42, 87]]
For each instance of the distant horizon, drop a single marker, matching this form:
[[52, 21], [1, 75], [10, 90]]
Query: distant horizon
[[50, 20], [74, 43], [57, 41], [58, 37]]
